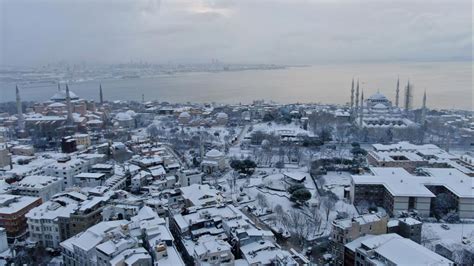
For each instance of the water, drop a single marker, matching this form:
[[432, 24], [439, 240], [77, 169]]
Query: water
[[448, 85]]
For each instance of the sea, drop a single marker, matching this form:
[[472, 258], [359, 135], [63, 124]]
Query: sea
[[447, 85]]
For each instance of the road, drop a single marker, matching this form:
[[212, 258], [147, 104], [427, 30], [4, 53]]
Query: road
[[242, 134]]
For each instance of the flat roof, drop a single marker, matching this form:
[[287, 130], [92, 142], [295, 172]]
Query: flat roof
[[400, 183]]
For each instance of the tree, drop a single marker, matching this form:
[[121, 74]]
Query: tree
[[278, 210], [301, 195], [443, 204], [246, 166], [295, 187], [262, 200], [328, 202]]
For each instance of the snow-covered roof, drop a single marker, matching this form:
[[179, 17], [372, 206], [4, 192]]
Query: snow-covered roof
[[123, 117], [214, 153], [10, 204], [402, 184], [61, 96], [377, 96], [402, 251]]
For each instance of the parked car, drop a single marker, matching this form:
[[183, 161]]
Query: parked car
[[445, 226]]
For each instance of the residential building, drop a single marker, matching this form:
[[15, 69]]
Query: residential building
[[67, 168], [398, 191], [392, 249], [12, 213], [346, 230], [38, 186]]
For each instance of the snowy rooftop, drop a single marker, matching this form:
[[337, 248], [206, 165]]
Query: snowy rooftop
[[11, 204], [402, 251], [400, 183], [38, 182], [200, 195]]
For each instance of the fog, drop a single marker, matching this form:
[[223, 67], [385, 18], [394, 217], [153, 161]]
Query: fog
[[37, 32]]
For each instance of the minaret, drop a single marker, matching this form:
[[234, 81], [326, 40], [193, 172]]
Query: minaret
[[423, 109], [352, 95], [361, 116], [357, 99], [21, 122], [408, 92], [69, 108], [397, 97], [59, 86], [101, 95]]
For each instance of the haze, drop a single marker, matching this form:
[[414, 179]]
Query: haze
[[283, 32]]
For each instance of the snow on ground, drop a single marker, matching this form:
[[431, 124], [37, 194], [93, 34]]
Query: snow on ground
[[336, 182], [273, 128], [433, 233], [263, 176]]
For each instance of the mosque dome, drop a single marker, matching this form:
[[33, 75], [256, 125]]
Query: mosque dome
[[214, 153], [131, 113], [222, 115], [380, 106], [123, 116], [378, 97], [61, 96], [184, 115]]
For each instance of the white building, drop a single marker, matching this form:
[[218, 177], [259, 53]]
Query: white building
[[89, 179], [43, 220], [39, 186], [397, 190], [392, 249], [213, 161], [66, 168], [189, 177]]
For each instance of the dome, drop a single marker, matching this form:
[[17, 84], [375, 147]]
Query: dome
[[214, 153], [378, 96], [184, 115], [379, 106], [222, 115], [61, 96], [56, 104], [131, 113], [123, 117]]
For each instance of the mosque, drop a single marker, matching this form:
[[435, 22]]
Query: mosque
[[378, 112]]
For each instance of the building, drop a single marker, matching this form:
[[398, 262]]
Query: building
[[43, 223], [107, 169], [411, 156], [201, 195], [344, 231], [398, 191], [189, 177], [5, 156], [3, 240], [12, 213], [89, 179], [68, 144], [39, 186], [83, 140], [67, 168], [392, 249], [213, 161], [144, 240], [23, 150], [407, 227]]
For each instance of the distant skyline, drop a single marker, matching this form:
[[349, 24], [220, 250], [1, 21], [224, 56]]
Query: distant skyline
[[39, 32]]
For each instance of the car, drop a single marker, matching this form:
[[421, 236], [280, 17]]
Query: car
[[445, 226]]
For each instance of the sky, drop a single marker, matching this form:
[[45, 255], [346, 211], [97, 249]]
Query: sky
[[37, 32]]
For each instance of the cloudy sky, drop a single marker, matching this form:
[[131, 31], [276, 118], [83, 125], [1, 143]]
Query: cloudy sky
[[34, 32]]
